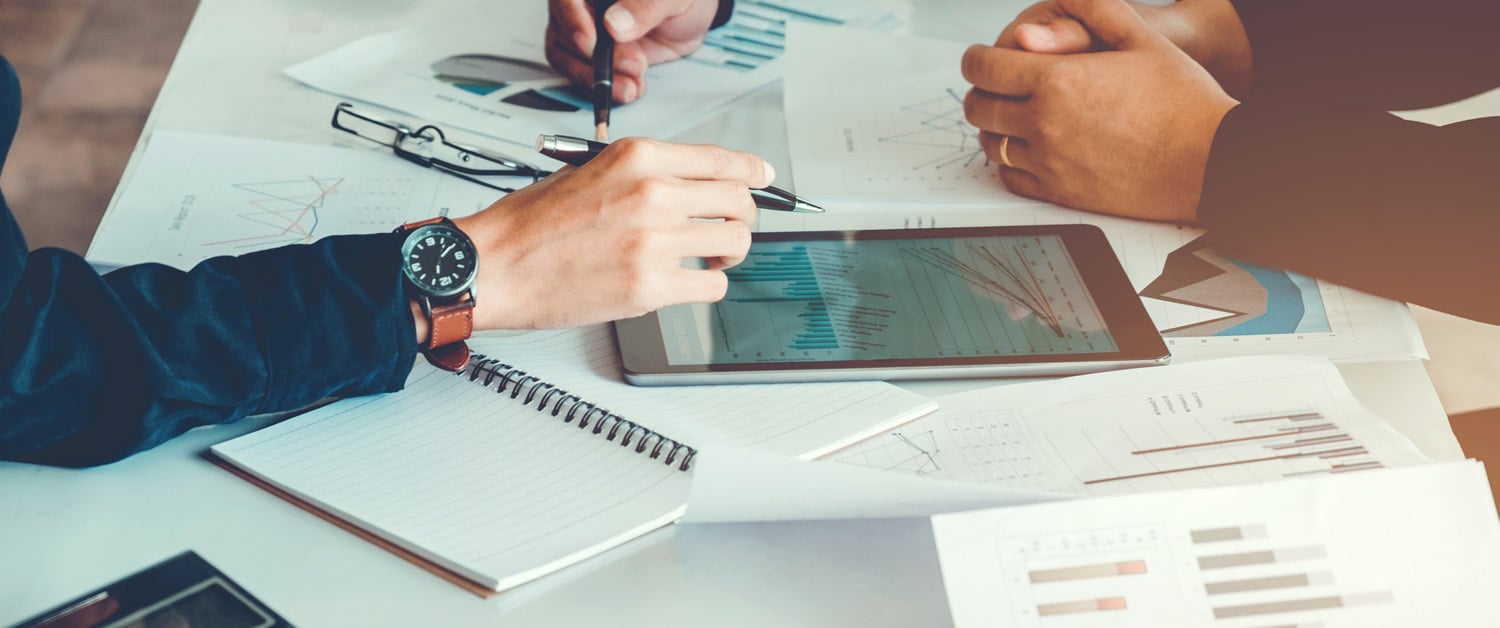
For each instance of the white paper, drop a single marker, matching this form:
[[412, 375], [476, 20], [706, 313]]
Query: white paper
[[1211, 423], [1404, 547], [872, 116], [735, 485], [194, 196], [403, 70]]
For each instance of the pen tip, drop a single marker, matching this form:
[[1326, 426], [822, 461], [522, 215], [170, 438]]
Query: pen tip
[[601, 132]]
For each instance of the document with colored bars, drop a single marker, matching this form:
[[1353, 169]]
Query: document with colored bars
[[1204, 424], [1418, 546]]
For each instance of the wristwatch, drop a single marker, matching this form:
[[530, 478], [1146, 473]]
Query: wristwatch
[[440, 265]]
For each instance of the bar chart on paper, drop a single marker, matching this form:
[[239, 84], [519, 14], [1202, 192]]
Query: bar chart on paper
[[1147, 574], [196, 196], [1413, 546], [1217, 423], [482, 66]]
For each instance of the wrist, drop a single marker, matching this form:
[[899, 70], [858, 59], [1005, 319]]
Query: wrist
[[496, 280], [419, 321]]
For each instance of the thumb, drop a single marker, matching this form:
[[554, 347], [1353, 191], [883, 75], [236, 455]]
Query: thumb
[[629, 20], [1112, 22]]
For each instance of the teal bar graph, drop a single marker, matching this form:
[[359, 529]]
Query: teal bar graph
[[793, 269]]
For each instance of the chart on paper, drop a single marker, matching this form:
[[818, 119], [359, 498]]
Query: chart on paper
[[876, 116], [196, 196], [482, 66], [1414, 546], [1217, 423], [1139, 575]]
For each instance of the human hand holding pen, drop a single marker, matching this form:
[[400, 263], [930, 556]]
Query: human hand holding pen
[[578, 151], [606, 241], [645, 32]]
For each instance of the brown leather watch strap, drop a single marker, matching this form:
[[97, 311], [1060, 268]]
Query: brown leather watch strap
[[449, 326]]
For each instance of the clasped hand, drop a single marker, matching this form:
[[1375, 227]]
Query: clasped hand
[[1103, 111]]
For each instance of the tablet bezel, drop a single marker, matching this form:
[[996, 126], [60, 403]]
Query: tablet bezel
[[644, 358]]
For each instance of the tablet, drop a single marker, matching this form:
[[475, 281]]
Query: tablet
[[1020, 301]]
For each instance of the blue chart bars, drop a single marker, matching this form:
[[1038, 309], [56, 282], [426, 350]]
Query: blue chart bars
[[794, 269], [756, 34]]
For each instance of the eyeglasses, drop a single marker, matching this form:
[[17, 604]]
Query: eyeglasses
[[428, 147]]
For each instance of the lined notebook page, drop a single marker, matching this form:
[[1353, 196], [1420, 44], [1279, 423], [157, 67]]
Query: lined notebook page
[[803, 420], [484, 486], [500, 493]]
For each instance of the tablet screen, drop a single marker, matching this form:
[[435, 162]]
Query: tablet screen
[[874, 299]]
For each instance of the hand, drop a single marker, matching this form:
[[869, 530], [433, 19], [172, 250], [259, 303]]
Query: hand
[[645, 32], [1125, 131], [607, 241], [1209, 31]]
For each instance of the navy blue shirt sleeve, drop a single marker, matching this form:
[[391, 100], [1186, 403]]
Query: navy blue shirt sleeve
[[1312, 174], [94, 368]]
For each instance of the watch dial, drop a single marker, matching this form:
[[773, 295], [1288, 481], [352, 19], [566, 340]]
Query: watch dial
[[439, 260]]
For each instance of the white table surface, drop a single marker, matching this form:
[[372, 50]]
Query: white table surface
[[63, 532]]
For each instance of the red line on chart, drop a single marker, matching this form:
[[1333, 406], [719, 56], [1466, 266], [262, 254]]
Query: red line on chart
[[1305, 430], [1306, 416], [1221, 464], [294, 224]]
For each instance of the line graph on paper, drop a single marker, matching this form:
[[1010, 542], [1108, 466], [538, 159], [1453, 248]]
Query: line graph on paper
[[285, 211], [301, 209], [942, 139], [908, 451]]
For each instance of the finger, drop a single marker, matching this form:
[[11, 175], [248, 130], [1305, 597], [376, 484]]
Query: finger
[[696, 162], [630, 72], [727, 200], [577, 70], [629, 20], [694, 285], [1060, 36], [1113, 22], [1023, 183], [1005, 115], [1004, 71], [1018, 154], [727, 240], [573, 21]]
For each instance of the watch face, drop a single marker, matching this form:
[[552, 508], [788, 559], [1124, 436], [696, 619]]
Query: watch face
[[439, 260]]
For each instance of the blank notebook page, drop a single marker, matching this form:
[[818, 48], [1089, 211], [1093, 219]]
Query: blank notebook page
[[501, 493]]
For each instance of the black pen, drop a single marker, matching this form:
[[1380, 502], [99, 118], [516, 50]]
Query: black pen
[[604, 71], [577, 151]]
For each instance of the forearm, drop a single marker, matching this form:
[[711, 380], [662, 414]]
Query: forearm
[[1363, 199], [95, 368], [1384, 54]]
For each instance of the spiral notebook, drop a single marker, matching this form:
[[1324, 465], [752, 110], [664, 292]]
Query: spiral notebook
[[539, 456]]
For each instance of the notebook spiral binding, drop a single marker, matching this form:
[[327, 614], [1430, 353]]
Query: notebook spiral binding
[[544, 395]]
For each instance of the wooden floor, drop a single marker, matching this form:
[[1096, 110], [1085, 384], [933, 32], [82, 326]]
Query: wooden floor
[[90, 71]]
